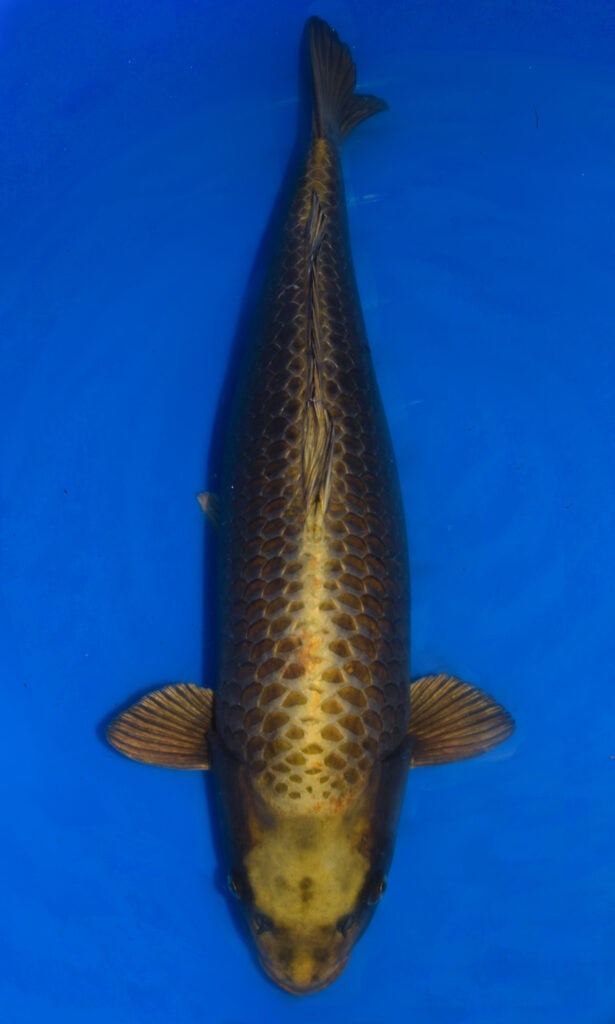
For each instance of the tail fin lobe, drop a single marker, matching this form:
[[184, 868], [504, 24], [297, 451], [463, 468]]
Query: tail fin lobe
[[337, 108]]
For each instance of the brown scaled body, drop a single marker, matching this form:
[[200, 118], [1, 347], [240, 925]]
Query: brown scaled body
[[315, 593], [309, 730]]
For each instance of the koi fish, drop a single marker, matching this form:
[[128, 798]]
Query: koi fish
[[313, 724]]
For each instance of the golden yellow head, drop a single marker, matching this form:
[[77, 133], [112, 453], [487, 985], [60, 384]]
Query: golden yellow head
[[308, 883], [308, 892]]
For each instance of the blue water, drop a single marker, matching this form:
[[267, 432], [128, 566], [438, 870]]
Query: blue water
[[142, 147]]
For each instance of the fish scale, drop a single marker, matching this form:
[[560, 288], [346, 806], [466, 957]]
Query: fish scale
[[314, 657]]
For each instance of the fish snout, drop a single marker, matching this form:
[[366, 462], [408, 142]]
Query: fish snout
[[305, 973]]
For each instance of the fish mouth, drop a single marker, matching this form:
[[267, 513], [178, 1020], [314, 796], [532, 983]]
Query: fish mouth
[[284, 981]]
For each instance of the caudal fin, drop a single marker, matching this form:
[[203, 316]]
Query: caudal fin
[[337, 108]]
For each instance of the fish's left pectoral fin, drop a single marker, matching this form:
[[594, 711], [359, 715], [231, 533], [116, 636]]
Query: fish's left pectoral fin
[[168, 727], [451, 721]]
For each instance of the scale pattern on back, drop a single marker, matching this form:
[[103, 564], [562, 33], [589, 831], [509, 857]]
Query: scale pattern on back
[[314, 654]]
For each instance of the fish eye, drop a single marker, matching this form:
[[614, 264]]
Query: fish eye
[[377, 890], [262, 923], [345, 923]]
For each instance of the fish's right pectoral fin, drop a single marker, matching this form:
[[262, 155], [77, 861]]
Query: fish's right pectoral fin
[[451, 721], [210, 505], [168, 727]]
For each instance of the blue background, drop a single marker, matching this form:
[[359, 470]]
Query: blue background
[[142, 145]]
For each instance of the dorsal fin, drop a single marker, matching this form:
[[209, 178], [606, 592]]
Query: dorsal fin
[[317, 456], [318, 433], [315, 228]]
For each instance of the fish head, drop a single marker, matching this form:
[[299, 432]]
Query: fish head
[[308, 885], [308, 890]]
